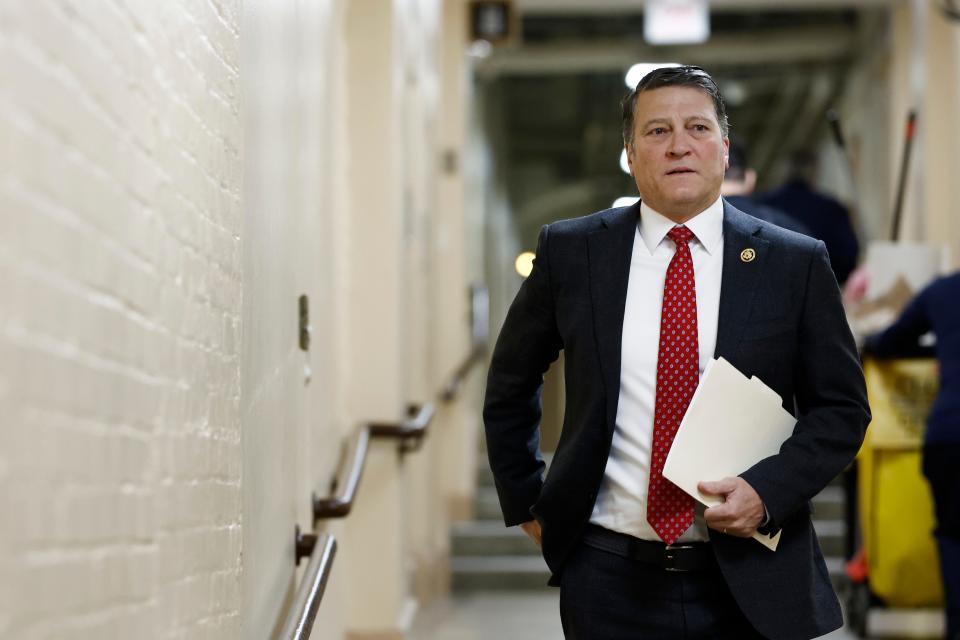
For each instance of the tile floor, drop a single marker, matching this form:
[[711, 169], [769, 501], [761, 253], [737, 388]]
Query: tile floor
[[534, 615], [504, 615]]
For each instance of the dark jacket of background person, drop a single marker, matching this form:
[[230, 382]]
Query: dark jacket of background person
[[937, 308], [825, 218], [767, 213], [738, 185]]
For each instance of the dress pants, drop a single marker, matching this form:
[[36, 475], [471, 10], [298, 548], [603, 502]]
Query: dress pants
[[605, 596]]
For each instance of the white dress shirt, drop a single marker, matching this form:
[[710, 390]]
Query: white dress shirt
[[622, 501]]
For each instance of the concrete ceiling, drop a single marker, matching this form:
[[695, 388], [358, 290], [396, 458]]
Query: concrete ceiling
[[554, 91]]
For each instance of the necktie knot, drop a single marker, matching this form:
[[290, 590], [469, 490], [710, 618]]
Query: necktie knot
[[680, 235]]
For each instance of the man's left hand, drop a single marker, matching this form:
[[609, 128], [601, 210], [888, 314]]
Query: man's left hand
[[742, 509]]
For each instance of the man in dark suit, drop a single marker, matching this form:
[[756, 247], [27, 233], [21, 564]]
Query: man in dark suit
[[639, 299]]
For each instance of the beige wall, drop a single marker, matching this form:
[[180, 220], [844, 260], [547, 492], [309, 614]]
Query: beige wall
[[940, 106], [914, 63], [865, 111], [290, 416], [457, 262], [120, 328]]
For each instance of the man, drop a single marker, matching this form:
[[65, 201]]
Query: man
[[826, 218], [639, 298], [740, 180]]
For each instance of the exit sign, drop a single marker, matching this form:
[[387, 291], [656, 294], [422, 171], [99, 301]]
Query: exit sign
[[676, 21]]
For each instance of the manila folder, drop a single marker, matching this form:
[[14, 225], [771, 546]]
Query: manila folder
[[731, 424]]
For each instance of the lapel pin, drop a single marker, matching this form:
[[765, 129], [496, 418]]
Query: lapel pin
[[747, 255]]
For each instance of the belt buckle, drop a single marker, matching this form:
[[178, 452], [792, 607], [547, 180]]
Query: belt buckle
[[670, 556]]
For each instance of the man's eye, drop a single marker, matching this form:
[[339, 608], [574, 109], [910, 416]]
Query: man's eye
[[657, 131], [700, 127]]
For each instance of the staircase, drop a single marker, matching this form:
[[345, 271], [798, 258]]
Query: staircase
[[488, 556]]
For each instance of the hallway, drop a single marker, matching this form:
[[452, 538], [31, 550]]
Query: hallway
[[255, 256]]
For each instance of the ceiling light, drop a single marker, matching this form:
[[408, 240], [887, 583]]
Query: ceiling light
[[637, 71], [524, 263], [676, 21], [480, 49], [734, 92]]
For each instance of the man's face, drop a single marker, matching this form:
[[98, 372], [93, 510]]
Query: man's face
[[678, 154]]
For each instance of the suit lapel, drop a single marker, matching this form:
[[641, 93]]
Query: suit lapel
[[740, 277], [609, 251]]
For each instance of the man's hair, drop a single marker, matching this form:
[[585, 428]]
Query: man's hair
[[684, 76], [737, 159]]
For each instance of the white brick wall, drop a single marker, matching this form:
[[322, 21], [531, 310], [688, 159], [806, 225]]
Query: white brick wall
[[120, 306]]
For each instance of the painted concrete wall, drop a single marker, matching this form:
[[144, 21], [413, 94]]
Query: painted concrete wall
[[289, 398], [176, 175], [912, 63]]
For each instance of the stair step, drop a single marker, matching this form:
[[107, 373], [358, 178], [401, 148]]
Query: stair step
[[827, 506], [487, 505], [835, 564], [905, 623], [496, 573], [499, 573], [831, 534], [489, 556], [491, 538], [522, 567], [485, 476], [830, 503], [836, 570]]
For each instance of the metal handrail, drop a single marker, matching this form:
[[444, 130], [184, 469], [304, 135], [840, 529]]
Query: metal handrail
[[411, 431], [322, 549], [452, 388], [339, 505]]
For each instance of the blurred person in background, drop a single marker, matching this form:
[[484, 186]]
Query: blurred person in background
[[824, 217], [937, 309], [739, 182]]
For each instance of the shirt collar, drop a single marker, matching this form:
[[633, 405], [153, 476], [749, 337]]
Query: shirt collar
[[707, 226]]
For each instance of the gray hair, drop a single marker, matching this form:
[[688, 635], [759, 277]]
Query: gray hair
[[684, 76]]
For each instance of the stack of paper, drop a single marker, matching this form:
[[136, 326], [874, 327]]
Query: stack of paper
[[731, 424]]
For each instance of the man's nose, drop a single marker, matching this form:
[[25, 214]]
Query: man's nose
[[679, 145]]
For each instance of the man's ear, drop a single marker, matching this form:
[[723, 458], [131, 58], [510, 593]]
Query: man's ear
[[726, 153], [626, 147]]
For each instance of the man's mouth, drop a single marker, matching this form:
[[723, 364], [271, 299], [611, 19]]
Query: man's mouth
[[680, 170]]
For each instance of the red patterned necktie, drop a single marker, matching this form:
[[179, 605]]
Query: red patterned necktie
[[669, 509]]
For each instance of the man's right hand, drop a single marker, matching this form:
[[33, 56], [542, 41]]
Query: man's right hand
[[532, 529]]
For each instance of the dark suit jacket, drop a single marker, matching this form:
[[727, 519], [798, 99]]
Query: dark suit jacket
[[780, 319]]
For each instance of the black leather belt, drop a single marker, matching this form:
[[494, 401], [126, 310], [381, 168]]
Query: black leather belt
[[685, 556]]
